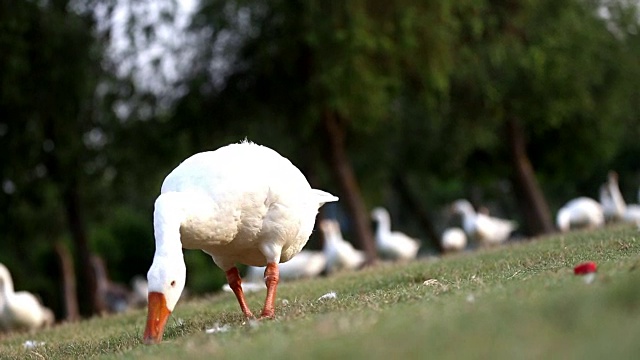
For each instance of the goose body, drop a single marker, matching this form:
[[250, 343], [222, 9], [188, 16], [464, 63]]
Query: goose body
[[484, 229], [580, 212], [453, 239], [340, 254], [393, 245], [20, 310], [242, 203], [632, 214]]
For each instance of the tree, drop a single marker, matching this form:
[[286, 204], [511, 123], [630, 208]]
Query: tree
[[49, 107], [313, 68], [543, 75]]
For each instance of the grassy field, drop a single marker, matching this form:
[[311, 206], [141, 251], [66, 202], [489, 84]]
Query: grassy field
[[519, 301]]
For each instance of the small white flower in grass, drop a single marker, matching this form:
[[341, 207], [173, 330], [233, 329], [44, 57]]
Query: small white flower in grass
[[471, 298], [431, 282], [327, 296], [32, 344], [218, 329], [285, 302]]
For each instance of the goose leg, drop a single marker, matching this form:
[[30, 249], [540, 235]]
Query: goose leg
[[235, 282], [271, 279]]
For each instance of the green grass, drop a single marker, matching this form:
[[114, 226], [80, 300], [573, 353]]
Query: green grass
[[519, 301]]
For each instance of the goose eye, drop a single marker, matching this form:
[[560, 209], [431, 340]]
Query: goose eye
[[173, 283]]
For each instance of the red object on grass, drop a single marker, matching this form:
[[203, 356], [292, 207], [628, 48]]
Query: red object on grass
[[585, 268]]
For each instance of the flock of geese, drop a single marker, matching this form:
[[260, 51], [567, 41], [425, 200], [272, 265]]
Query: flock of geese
[[246, 204], [337, 254], [581, 212], [585, 212]]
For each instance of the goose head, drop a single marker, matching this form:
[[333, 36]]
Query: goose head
[[166, 280], [380, 214], [327, 226], [462, 207]]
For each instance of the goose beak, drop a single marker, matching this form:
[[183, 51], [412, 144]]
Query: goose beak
[[157, 317]]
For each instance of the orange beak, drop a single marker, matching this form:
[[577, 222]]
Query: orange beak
[[157, 317]]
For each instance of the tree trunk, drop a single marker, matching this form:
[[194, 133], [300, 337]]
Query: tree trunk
[[343, 172], [63, 171], [79, 236], [407, 197], [69, 293], [531, 200]]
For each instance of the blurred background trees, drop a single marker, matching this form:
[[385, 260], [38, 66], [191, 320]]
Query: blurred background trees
[[516, 105]]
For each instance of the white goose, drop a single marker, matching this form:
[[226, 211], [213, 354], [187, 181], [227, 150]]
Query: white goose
[[614, 205], [20, 310], [242, 203], [580, 212], [393, 244], [484, 229], [453, 239], [340, 254]]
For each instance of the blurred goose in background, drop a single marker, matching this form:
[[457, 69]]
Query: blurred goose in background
[[242, 203], [20, 310], [340, 254], [609, 210], [392, 245], [614, 206], [580, 212], [114, 297], [484, 229], [453, 240], [306, 264], [139, 291], [247, 286]]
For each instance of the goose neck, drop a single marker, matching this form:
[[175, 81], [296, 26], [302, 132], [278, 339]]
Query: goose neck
[[6, 285], [168, 216], [616, 195], [331, 237], [384, 225]]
